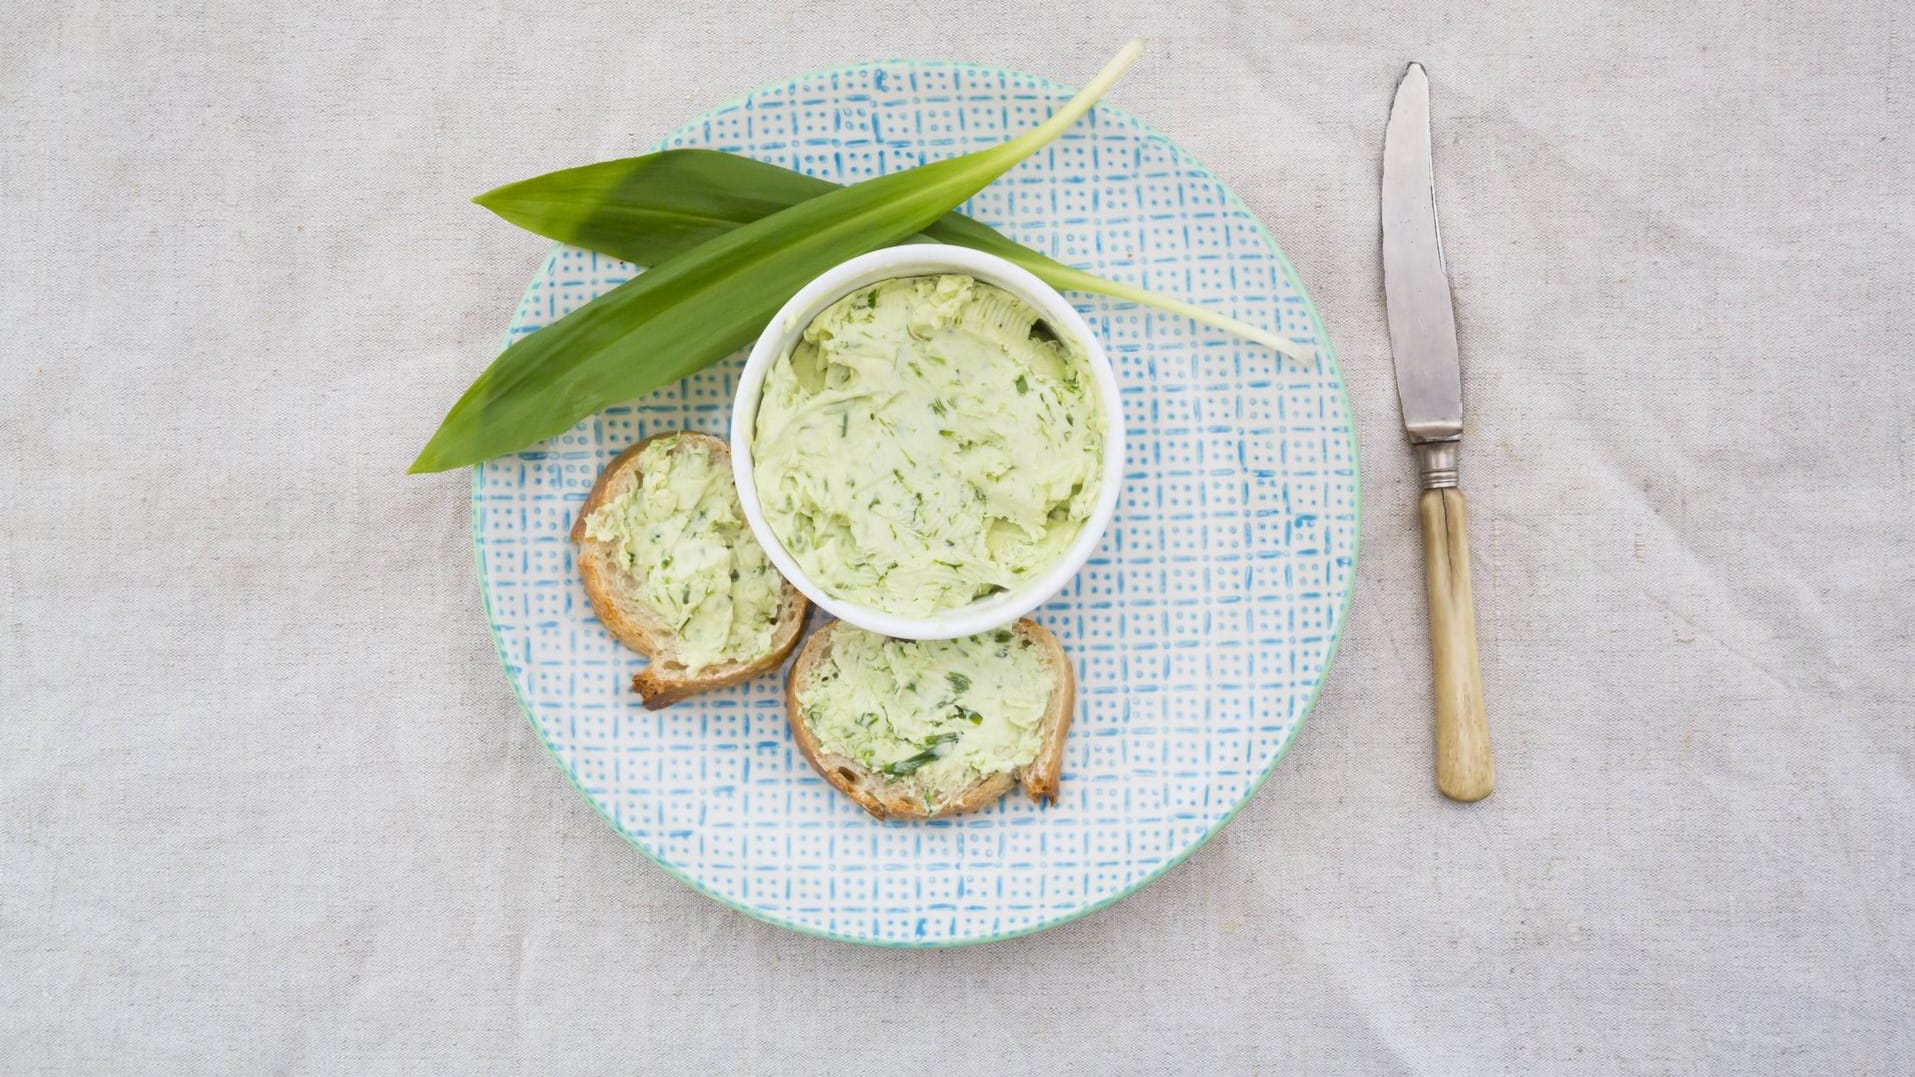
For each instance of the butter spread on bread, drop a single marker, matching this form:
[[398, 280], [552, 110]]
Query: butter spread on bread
[[932, 727], [674, 572]]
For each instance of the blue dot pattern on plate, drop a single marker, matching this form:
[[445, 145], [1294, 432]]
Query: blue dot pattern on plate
[[1200, 629]]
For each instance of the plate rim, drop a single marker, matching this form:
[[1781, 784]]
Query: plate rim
[[1232, 199]]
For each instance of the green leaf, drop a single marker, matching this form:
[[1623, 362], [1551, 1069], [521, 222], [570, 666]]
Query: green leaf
[[694, 309], [653, 208]]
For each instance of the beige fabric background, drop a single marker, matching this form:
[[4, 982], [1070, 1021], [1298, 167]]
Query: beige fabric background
[[267, 805]]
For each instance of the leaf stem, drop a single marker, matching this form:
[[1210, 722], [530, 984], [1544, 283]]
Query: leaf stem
[[1079, 281], [1037, 136]]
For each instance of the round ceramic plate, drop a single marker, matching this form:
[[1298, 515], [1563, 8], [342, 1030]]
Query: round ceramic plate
[[1201, 628]]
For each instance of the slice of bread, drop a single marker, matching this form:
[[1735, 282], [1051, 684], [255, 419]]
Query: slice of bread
[[617, 597], [889, 799]]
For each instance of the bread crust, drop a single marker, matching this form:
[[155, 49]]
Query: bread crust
[[610, 588], [1041, 777]]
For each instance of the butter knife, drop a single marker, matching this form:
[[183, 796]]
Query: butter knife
[[1429, 386]]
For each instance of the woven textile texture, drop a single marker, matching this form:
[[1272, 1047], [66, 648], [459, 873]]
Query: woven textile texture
[[267, 801]]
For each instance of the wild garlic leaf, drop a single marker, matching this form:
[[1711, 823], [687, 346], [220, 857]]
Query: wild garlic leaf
[[694, 309]]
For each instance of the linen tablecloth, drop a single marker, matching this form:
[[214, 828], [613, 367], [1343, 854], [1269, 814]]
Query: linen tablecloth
[[267, 803]]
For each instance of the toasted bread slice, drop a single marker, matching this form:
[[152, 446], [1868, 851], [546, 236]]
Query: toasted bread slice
[[617, 597], [888, 799]]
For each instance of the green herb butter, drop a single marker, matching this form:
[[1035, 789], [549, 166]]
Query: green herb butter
[[681, 534], [928, 442], [932, 715]]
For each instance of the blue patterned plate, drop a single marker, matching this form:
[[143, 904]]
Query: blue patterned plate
[[1201, 628]]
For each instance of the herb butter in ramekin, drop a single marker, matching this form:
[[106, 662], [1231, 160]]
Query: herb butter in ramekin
[[930, 442]]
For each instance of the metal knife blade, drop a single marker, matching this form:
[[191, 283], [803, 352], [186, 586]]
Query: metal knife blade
[[1416, 282]]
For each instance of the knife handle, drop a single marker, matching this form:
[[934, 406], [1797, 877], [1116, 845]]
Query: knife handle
[[1464, 770]]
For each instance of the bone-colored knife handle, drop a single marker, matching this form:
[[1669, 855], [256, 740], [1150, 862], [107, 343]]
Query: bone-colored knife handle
[[1464, 770]]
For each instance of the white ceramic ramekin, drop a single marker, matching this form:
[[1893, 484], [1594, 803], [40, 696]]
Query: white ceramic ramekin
[[915, 260]]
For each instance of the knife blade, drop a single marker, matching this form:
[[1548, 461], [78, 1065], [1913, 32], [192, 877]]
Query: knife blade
[[1429, 390], [1416, 281]]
